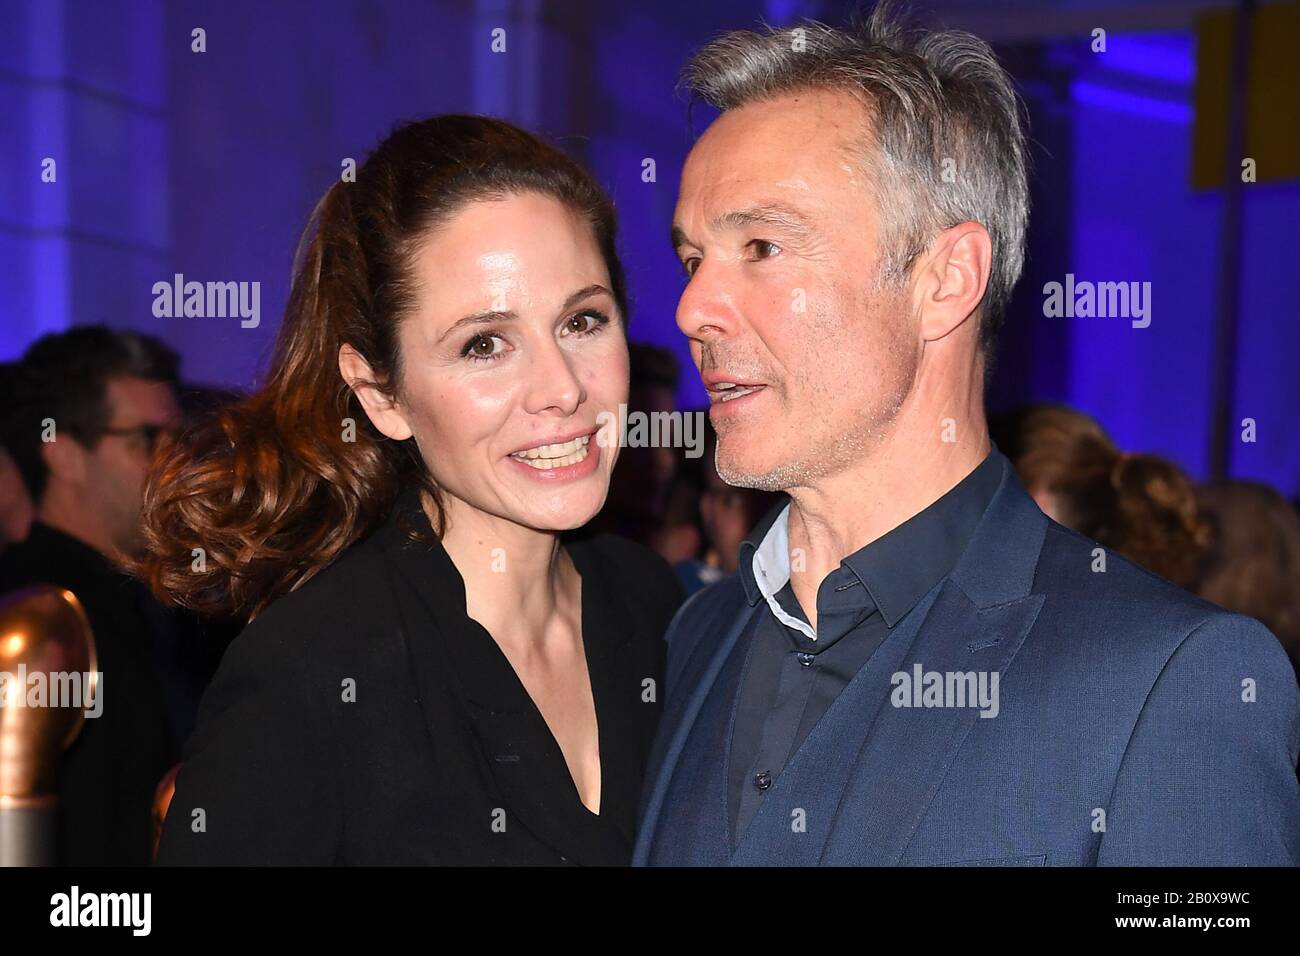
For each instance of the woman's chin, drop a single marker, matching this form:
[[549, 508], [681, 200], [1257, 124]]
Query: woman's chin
[[564, 515]]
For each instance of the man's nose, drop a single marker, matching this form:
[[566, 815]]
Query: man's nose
[[707, 308], [553, 381]]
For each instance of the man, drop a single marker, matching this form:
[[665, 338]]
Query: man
[[92, 405], [16, 510], [914, 665]]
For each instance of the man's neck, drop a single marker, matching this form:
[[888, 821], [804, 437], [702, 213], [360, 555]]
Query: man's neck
[[58, 512], [926, 452]]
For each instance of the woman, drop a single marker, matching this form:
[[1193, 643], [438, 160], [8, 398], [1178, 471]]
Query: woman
[[1253, 564], [1140, 505], [432, 675]]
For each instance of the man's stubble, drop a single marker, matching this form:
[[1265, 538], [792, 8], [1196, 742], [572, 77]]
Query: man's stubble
[[829, 435]]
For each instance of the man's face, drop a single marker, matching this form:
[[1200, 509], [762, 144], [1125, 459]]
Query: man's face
[[778, 229], [118, 464]]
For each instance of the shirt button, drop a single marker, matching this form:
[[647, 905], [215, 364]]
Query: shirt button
[[805, 658], [762, 781]]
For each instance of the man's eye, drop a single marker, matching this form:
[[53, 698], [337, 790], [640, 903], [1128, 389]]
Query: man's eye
[[690, 265], [764, 249]]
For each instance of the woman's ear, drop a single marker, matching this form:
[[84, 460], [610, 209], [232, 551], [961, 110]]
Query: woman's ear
[[381, 408]]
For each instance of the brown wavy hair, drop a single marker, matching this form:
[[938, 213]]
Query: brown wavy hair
[[269, 488], [1142, 506], [1253, 566]]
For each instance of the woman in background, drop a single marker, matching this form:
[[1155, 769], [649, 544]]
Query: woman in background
[[434, 674], [1253, 566], [1141, 506]]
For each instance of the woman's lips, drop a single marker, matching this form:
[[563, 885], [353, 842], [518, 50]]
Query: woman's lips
[[563, 461], [556, 454]]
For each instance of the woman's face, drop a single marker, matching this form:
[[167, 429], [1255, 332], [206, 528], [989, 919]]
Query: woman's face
[[515, 346]]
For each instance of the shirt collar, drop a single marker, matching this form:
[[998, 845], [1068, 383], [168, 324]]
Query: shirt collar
[[776, 515], [898, 568], [770, 571]]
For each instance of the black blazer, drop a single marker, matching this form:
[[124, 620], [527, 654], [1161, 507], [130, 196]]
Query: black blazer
[[366, 719]]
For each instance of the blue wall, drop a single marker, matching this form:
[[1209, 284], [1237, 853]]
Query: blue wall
[[208, 164]]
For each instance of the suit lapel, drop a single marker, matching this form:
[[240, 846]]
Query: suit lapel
[[984, 611], [863, 779], [909, 749], [794, 821]]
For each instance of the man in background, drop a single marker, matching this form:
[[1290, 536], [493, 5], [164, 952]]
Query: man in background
[[16, 510], [90, 406]]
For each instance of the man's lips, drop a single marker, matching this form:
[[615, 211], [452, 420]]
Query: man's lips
[[730, 391]]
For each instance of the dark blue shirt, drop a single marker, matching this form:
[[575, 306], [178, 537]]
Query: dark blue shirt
[[790, 678]]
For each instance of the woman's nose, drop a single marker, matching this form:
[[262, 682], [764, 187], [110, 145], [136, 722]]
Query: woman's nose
[[554, 382]]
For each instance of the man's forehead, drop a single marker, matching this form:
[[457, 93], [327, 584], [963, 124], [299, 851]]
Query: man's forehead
[[785, 127], [797, 143], [792, 196], [142, 398]]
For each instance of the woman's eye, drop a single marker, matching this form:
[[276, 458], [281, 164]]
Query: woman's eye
[[483, 347], [764, 249], [584, 323]]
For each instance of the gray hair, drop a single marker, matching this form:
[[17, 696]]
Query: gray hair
[[947, 128]]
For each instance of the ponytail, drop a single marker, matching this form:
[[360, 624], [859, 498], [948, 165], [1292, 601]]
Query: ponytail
[[258, 497], [1142, 506], [1157, 521]]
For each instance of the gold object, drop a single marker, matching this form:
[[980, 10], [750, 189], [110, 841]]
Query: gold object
[[44, 632]]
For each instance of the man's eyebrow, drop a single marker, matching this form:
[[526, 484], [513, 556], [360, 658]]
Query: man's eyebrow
[[493, 315], [772, 214]]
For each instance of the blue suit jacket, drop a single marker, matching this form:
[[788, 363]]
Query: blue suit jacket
[[1137, 725]]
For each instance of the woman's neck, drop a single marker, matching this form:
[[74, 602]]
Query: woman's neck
[[518, 580]]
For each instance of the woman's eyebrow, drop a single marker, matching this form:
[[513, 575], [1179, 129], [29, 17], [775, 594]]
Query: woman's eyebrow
[[496, 315], [479, 318], [584, 293]]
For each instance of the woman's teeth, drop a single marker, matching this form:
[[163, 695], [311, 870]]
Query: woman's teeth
[[546, 457]]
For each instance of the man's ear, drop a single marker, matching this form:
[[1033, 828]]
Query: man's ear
[[66, 458], [382, 409], [951, 278]]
